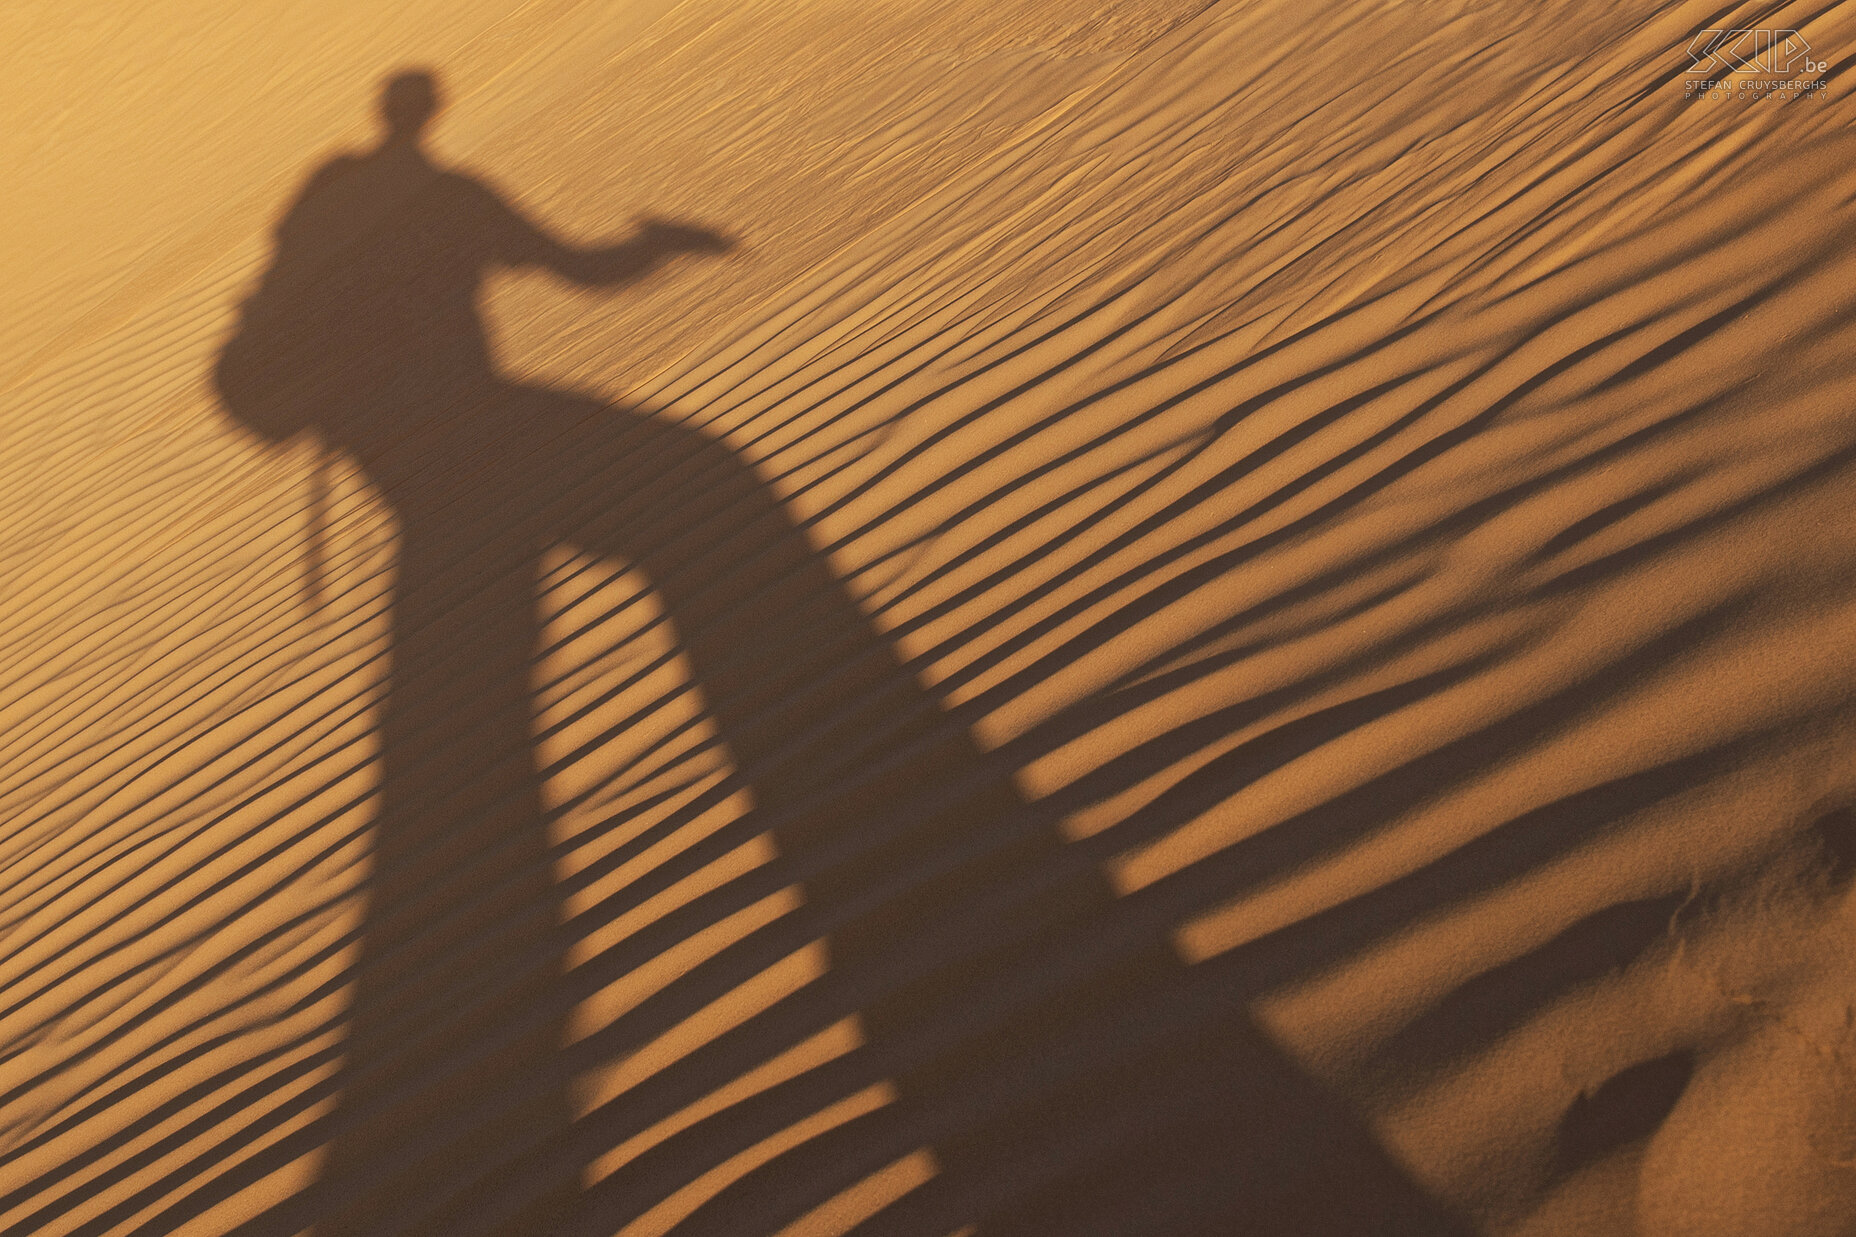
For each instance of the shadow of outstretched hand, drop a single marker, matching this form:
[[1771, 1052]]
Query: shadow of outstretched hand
[[653, 243], [668, 236]]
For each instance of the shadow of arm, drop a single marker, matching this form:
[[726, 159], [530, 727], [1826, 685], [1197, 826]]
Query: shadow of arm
[[655, 243]]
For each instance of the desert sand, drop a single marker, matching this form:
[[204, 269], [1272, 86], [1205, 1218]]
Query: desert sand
[[1027, 617]]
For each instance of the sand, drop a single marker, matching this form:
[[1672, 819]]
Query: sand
[[1159, 618]]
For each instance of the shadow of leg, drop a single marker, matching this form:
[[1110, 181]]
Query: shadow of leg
[[452, 1053], [1068, 1074]]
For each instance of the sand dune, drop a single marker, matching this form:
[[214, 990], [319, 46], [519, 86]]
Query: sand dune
[[1156, 618]]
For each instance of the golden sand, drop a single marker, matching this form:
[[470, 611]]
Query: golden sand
[[1155, 618]]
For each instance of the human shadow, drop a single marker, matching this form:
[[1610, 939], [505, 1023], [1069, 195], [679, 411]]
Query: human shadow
[[1064, 1085]]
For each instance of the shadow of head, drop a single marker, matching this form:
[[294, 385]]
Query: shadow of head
[[408, 102]]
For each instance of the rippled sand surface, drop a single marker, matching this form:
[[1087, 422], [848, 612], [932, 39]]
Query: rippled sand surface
[[1220, 618]]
